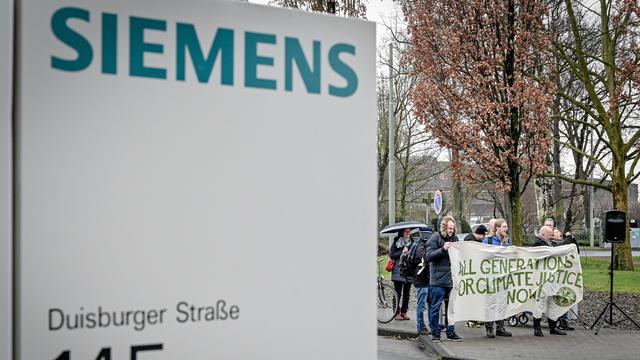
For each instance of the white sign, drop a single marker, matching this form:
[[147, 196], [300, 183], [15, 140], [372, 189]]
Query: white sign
[[196, 176], [496, 282]]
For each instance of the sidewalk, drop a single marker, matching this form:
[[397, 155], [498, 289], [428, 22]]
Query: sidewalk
[[579, 344]]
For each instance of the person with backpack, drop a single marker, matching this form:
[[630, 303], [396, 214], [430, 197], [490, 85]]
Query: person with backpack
[[420, 268], [402, 284]]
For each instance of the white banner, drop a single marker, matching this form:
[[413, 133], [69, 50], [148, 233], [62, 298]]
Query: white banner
[[494, 282]]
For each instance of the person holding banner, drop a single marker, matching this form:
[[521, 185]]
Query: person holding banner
[[440, 277], [402, 285], [544, 238], [498, 237]]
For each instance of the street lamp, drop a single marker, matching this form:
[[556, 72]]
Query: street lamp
[[331, 6]]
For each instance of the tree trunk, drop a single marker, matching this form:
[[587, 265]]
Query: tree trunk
[[557, 183], [457, 194], [517, 233]]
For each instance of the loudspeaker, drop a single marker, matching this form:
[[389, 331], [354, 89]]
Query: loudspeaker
[[614, 226]]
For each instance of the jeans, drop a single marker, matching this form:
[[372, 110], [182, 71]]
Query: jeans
[[403, 289], [438, 294], [421, 294], [564, 316]]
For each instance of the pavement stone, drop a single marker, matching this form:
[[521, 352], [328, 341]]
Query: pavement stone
[[579, 344]]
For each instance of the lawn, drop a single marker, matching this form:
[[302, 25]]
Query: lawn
[[596, 276]]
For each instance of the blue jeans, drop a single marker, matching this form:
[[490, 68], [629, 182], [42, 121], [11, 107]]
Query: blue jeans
[[438, 294], [421, 294]]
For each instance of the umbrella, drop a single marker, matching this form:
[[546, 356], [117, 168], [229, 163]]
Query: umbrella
[[405, 225]]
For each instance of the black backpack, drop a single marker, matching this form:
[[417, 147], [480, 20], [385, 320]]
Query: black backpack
[[408, 264]]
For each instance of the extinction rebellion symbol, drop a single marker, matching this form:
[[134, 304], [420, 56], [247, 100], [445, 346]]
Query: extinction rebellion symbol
[[565, 297]]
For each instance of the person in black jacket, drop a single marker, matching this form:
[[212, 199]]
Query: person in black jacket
[[421, 282], [544, 238], [440, 277]]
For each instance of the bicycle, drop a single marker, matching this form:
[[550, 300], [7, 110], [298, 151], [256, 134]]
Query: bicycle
[[387, 298]]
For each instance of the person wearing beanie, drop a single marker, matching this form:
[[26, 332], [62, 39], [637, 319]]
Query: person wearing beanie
[[478, 235]]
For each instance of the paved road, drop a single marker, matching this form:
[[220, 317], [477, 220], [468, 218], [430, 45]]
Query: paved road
[[603, 253], [393, 349]]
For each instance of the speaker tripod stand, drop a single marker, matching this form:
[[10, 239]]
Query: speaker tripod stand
[[610, 305]]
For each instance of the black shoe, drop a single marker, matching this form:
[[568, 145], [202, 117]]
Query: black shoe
[[490, 333], [454, 337], [564, 325], [557, 332], [503, 332], [435, 338], [537, 330], [423, 332]]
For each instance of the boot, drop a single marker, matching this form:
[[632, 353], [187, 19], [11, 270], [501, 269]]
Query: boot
[[537, 330], [553, 330], [490, 333], [564, 325], [503, 332]]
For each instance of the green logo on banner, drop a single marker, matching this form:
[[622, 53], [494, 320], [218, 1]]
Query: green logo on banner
[[565, 297]]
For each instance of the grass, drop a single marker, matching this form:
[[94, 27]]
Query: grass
[[596, 276]]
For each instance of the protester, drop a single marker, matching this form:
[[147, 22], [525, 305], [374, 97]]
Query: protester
[[478, 235], [544, 238], [440, 277], [550, 223], [421, 282], [400, 245], [500, 238]]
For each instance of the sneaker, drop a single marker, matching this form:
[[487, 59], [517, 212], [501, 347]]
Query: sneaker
[[490, 333], [503, 332], [423, 332], [404, 316], [435, 338], [398, 317], [454, 337]]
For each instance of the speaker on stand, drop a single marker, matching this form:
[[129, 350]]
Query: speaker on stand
[[615, 232]]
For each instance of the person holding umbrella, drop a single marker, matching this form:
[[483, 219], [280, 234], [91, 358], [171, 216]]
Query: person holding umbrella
[[401, 245]]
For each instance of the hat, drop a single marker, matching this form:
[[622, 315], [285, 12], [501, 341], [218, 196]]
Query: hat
[[481, 230]]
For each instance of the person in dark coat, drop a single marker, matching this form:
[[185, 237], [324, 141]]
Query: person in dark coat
[[440, 277], [544, 238], [478, 235], [421, 283], [401, 245]]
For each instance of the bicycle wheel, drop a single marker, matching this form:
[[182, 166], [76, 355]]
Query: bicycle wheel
[[387, 303], [513, 320]]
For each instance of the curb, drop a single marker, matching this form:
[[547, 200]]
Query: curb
[[439, 349], [425, 340]]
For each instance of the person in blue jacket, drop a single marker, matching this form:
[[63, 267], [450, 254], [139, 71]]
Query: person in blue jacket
[[498, 236]]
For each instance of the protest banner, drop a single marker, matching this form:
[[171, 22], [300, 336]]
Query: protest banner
[[493, 282]]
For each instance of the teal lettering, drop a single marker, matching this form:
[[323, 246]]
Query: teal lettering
[[293, 53], [137, 47], [343, 70], [252, 60], [187, 40], [109, 43], [72, 39]]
